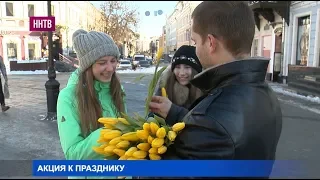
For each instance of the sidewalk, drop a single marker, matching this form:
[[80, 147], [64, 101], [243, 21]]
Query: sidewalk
[[23, 119], [290, 96]]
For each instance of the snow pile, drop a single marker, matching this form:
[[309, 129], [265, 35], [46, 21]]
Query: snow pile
[[149, 70], [288, 93], [28, 72]]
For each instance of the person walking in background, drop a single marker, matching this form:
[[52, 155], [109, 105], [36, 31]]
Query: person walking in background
[[3, 90], [93, 91]]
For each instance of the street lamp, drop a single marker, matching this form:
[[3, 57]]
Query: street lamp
[[52, 85]]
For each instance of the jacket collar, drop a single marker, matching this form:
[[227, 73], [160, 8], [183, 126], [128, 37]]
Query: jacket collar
[[249, 70], [101, 85]]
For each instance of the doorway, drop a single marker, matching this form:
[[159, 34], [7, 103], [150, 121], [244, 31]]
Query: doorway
[[277, 63], [266, 51]]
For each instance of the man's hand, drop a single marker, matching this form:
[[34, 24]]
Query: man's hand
[[160, 105]]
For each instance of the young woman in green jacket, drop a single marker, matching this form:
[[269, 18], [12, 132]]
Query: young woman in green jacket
[[93, 91]]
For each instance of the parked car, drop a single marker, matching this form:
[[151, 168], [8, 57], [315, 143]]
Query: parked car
[[129, 59], [150, 61], [124, 64], [144, 63], [137, 58]]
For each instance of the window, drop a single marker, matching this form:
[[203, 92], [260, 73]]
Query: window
[[266, 27], [303, 34], [52, 10], [9, 9], [32, 50], [188, 35], [12, 50], [30, 10]]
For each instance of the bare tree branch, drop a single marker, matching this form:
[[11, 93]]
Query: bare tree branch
[[119, 17]]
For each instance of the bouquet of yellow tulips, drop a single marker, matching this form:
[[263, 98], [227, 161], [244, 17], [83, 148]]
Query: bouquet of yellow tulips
[[138, 138]]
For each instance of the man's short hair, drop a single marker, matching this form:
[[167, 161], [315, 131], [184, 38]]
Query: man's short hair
[[232, 22]]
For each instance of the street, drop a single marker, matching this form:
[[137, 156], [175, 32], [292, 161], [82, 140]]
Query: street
[[26, 136]]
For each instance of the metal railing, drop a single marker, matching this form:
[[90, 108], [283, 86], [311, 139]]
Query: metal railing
[[73, 62]]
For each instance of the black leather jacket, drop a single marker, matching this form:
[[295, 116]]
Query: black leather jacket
[[239, 119]]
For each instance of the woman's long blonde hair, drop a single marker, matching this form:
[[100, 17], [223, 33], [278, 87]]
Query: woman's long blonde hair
[[89, 107]]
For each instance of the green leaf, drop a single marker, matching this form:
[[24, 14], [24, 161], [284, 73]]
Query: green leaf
[[122, 127], [139, 78], [151, 89], [159, 73], [152, 86], [151, 119], [138, 128], [160, 120], [132, 121], [166, 128], [168, 142], [127, 118], [139, 120]]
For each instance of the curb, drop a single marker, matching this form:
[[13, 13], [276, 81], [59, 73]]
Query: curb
[[279, 89]]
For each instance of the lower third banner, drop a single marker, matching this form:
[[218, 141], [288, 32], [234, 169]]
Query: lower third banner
[[163, 168]]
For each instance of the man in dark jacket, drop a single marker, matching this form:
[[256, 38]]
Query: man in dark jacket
[[239, 118]]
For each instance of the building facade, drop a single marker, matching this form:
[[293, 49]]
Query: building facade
[[270, 18], [185, 9], [162, 39], [171, 33], [302, 38], [287, 32], [184, 23], [143, 44], [178, 26], [128, 47], [76, 15], [301, 55], [17, 43]]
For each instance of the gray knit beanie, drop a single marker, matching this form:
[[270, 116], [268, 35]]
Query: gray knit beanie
[[91, 46]]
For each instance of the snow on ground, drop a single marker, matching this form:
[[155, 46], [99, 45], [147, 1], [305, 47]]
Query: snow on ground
[[28, 72], [297, 104], [149, 70], [288, 93]]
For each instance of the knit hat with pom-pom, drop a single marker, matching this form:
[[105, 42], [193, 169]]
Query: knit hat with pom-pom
[[91, 46]]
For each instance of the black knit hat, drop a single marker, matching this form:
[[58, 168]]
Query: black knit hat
[[186, 55]]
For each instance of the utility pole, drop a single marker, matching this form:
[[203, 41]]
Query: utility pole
[[52, 85]]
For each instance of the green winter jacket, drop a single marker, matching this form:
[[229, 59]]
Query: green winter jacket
[[74, 146]]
